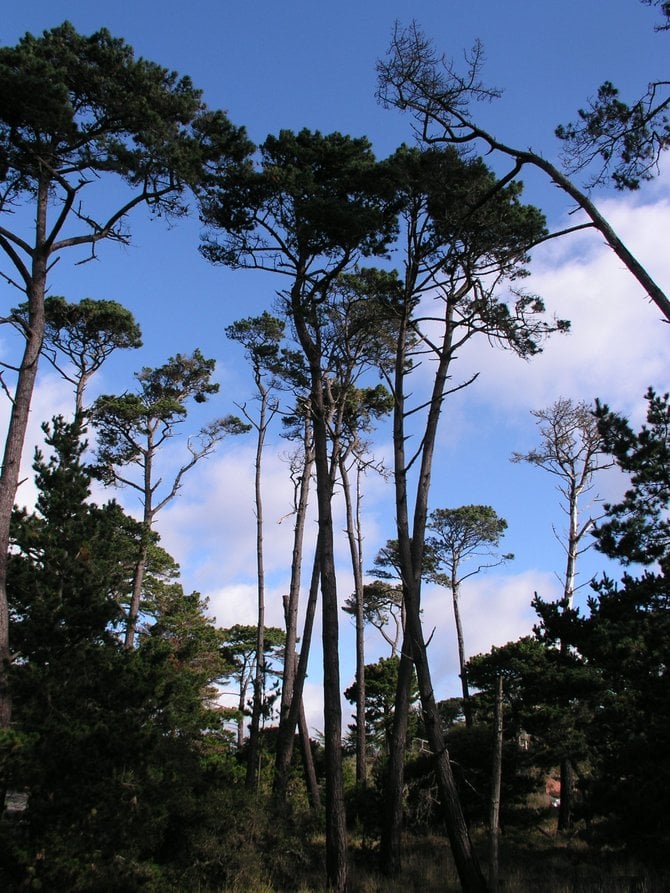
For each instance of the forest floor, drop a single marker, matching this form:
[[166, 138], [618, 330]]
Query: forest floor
[[532, 861]]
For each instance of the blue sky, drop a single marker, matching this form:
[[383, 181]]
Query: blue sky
[[301, 64]]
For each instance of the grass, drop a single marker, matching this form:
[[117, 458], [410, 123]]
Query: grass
[[529, 861]]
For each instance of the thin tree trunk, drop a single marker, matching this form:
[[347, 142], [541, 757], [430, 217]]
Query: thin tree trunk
[[566, 769], [287, 720], [565, 805], [282, 763], [291, 610], [472, 880], [253, 763], [496, 780], [392, 829], [391, 838], [287, 732], [410, 554], [308, 762], [467, 710], [353, 529], [136, 595], [336, 831], [141, 564]]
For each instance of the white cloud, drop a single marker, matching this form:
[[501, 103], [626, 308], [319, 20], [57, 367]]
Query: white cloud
[[495, 609], [617, 345], [617, 348], [51, 398]]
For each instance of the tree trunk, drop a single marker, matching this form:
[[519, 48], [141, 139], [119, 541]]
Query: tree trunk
[[136, 595], [35, 288], [467, 710], [354, 539], [565, 807], [496, 780], [410, 554], [308, 762], [291, 603], [286, 734], [391, 844], [253, 764], [567, 775], [336, 832], [472, 880], [141, 565]]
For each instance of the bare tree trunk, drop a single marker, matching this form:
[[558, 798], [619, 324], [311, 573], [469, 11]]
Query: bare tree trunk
[[391, 839], [141, 564], [566, 769], [467, 709], [496, 780], [287, 731], [253, 763], [410, 555], [136, 594], [291, 605], [9, 482], [472, 880], [35, 287], [284, 755], [354, 539], [336, 830], [308, 762]]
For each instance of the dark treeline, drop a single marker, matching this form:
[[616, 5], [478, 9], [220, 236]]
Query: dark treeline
[[120, 768]]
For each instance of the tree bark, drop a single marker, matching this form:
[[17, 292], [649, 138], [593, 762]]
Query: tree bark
[[253, 764], [291, 602], [410, 554], [35, 283], [354, 539], [391, 838], [496, 780], [136, 594], [565, 806], [467, 711], [286, 735], [141, 564], [308, 762], [336, 831]]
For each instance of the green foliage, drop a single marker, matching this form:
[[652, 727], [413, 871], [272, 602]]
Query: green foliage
[[260, 336], [132, 427], [381, 682], [382, 606], [115, 748], [638, 529], [74, 105], [85, 334], [593, 686], [485, 224], [625, 139], [471, 532], [468, 234], [325, 195], [67, 568], [238, 645]]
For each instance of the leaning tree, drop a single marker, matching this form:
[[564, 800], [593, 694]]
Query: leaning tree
[[417, 78], [465, 238]]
